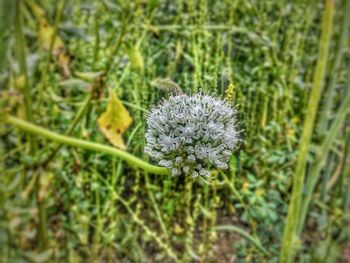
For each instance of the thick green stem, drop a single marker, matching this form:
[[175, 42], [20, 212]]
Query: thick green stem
[[288, 249], [322, 154], [39, 131], [324, 120], [20, 42]]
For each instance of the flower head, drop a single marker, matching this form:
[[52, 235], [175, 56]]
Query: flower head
[[187, 133]]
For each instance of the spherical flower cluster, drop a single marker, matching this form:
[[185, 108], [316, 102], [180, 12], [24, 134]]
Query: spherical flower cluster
[[188, 133]]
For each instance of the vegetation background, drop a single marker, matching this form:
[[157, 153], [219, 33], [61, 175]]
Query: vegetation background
[[284, 65]]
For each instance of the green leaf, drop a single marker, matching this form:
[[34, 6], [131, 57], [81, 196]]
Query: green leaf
[[136, 58], [244, 234]]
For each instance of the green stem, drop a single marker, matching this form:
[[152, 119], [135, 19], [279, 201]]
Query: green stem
[[188, 216], [328, 98], [20, 42], [324, 120], [118, 42], [36, 130], [156, 209], [98, 224], [58, 16], [74, 123], [97, 38], [147, 230], [231, 185], [42, 214], [288, 249], [46, 69], [346, 174], [321, 155]]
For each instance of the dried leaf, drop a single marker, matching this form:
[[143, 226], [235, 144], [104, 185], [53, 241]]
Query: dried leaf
[[45, 35], [89, 76], [64, 60], [114, 121], [167, 85], [46, 31]]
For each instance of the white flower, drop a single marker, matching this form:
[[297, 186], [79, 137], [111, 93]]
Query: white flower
[[188, 133]]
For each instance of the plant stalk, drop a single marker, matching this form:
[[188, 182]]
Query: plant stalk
[[328, 98], [20, 42], [288, 249], [322, 154]]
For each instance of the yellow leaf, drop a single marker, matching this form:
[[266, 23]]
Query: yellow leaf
[[136, 58], [178, 230], [46, 33], [114, 121]]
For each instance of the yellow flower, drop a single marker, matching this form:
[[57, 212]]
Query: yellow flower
[[229, 92]]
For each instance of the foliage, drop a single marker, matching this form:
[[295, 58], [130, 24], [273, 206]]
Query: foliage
[[84, 203]]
